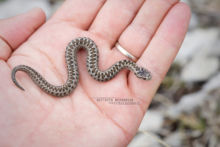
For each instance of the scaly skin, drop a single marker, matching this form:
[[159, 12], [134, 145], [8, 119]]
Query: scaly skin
[[72, 68]]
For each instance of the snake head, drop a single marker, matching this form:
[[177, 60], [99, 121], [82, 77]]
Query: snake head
[[142, 73]]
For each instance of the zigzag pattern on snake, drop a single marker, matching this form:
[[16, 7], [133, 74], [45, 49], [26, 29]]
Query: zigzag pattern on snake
[[72, 69]]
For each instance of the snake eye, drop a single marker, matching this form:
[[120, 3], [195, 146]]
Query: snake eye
[[142, 73]]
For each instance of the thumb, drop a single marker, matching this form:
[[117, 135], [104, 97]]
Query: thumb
[[15, 30]]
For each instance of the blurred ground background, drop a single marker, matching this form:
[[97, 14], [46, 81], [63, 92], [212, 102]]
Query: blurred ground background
[[185, 111]]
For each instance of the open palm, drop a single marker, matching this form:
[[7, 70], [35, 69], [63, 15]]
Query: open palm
[[151, 30]]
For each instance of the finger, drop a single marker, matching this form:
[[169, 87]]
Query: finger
[[112, 19], [138, 34], [5, 49], [80, 13], [161, 51], [15, 30]]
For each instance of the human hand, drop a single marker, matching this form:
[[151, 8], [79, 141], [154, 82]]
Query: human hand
[[151, 30]]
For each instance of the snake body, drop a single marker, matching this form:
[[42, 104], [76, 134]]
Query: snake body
[[72, 69]]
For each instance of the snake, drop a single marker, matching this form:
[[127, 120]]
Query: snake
[[92, 63]]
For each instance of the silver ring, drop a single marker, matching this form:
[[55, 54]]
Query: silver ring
[[125, 52]]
